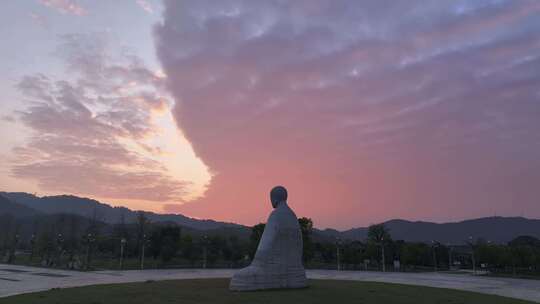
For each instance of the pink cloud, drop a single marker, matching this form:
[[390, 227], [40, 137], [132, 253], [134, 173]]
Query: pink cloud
[[39, 20], [78, 126], [146, 6], [65, 6], [356, 118]]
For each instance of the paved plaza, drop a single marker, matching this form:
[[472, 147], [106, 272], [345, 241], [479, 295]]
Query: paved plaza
[[22, 279]]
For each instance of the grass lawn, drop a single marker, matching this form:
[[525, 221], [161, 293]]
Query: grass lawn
[[216, 291]]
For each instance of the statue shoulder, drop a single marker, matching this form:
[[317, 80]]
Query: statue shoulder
[[285, 216]]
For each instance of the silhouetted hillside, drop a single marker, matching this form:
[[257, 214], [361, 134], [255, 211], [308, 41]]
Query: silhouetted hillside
[[89, 208], [17, 210], [495, 229]]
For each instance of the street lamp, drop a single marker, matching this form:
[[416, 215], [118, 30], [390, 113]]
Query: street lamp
[[59, 242], [11, 256], [449, 256], [142, 249], [123, 242], [32, 242], [434, 246], [470, 242], [205, 253], [89, 240], [338, 243], [383, 258]]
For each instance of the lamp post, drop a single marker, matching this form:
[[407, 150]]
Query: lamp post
[[32, 242], [472, 254], [59, 242], [11, 256], [434, 245], [123, 242], [205, 251], [338, 243], [382, 252], [449, 256], [142, 251], [89, 241]]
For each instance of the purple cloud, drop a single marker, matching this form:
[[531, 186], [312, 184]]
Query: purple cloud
[[365, 110]]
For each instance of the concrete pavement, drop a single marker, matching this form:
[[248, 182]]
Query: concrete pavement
[[22, 279], [508, 287]]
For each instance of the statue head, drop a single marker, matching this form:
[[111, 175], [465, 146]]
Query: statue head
[[278, 195]]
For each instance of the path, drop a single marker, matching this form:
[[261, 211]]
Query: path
[[22, 279]]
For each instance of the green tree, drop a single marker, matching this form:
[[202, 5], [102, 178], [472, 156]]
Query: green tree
[[45, 247], [353, 253], [141, 223], [306, 227], [215, 248], [237, 249], [170, 241], [326, 251], [379, 235], [188, 249], [255, 238], [165, 242], [415, 254], [524, 251]]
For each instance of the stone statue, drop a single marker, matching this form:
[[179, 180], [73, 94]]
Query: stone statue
[[278, 260]]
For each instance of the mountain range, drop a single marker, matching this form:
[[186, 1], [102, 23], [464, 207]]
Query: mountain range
[[108, 214], [15, 209], [494, 229]]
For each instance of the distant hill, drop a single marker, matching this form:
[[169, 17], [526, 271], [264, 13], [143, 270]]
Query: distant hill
[[89, 208], [494, 229], [15, 209]]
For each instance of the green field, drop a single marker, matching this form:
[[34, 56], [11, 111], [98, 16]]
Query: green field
[[215, 291]]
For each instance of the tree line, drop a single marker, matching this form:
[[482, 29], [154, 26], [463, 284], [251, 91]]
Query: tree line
[[75, 242]]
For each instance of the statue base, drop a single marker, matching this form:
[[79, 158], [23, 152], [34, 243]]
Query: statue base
[[257, 278]]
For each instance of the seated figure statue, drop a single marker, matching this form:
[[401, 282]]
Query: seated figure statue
[[278, 260]]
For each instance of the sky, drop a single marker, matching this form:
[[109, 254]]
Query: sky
[[365, 110]]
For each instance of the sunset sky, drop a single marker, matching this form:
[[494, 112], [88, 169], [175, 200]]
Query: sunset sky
[[365, 110]]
